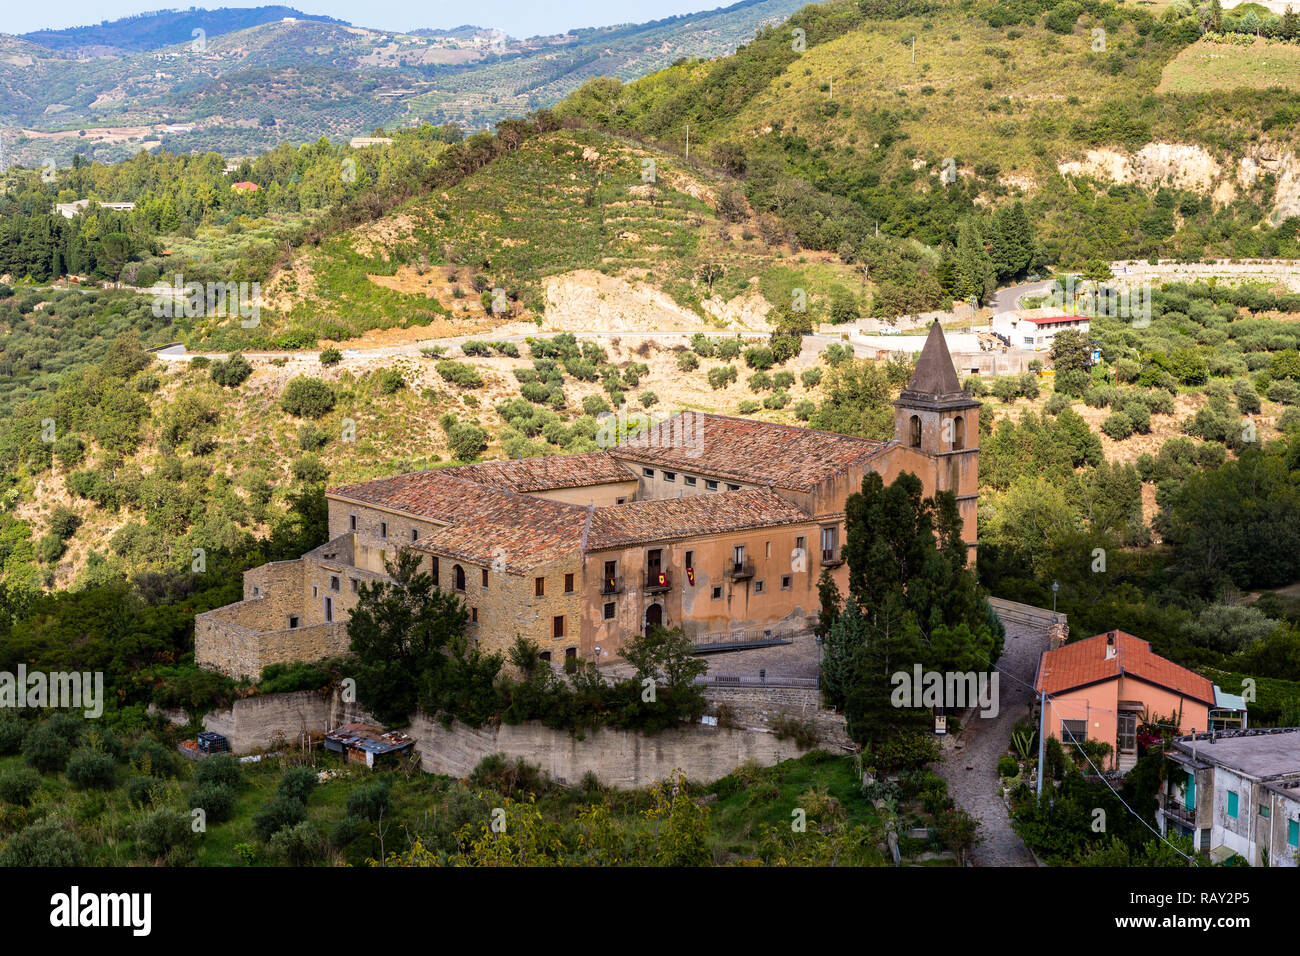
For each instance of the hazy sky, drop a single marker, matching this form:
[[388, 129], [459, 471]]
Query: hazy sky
[[519, 18]]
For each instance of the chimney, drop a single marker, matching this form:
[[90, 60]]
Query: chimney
[[1110, 646]]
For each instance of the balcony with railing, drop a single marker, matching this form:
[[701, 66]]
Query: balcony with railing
[[613, 584], [741, 570], [657, 581], [831, 558]]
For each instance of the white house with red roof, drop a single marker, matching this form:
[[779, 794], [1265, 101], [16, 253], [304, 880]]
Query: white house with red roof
[[1035, 330]]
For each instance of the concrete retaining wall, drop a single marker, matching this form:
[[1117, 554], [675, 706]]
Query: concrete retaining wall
[[618, 758]]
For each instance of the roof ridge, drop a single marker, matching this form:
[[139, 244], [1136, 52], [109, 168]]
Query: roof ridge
[[755, 421]]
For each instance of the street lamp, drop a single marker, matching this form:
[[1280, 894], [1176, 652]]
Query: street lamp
[[1055, 587], [597, 649]]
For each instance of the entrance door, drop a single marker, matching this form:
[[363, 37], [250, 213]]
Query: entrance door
[[1127, 732], [654, 617]]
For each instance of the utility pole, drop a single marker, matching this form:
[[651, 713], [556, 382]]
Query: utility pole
[[831, 86], [1042, 717], [688, 140], [913, 47]]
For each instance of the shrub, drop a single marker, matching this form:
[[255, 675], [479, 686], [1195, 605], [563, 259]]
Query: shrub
[[89, 769], [1057, 403], [1028, 383], [507, 777], [145, 791], [307, 397], [390, 381], [459, 374], [782, 380], [1007, 766], [46, 749], [1074, 382], [49, 842], [594, 405], [466, 440], [298, 845], [759, 357], [1117, 426], [811, 377], [159, 832], [282, 811], [727, 349], [688, 361], [331, 356], [1006, 389], [298, 782], [366, 803], [748, 407], [216, 800], [648, 399], [218, 769], [759, 382], [702, 345], [1210, 454], [18, 785], [1289, 419], [311, 438], [1284, 391], [232, 372], [475, 347], [722, 376], [804, 410], [777, 399], [12, 732]]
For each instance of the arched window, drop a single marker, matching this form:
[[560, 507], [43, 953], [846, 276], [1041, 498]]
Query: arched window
[[916, 431], [958, 433], [458, 577]]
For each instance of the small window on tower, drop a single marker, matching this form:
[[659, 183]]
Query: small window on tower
[[916, 431]]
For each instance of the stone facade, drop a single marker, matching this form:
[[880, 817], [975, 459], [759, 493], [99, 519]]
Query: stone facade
[[719, 525]]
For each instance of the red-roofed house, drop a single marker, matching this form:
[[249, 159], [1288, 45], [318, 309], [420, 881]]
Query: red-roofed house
[[245, 187], [1103, 687], [718, 525], [1033, 330]]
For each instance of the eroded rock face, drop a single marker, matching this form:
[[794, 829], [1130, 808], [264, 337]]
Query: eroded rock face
[[585, 299], [1186, 166]]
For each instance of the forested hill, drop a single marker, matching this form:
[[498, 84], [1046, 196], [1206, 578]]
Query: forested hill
[[149, 31]]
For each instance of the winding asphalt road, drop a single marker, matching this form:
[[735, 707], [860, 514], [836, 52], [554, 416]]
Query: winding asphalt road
[[1008, 299]]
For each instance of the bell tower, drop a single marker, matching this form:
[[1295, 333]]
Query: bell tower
[[937, 424]]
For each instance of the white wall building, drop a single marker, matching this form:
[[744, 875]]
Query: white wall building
[[1023, 330]]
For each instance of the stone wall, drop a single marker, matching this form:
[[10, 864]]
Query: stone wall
[[759, 707], [618, 758], [238, 651]]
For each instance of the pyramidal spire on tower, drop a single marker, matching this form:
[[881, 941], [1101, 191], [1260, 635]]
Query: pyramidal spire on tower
[[935, 377]]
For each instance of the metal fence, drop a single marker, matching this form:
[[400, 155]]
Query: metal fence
[[755, 680]]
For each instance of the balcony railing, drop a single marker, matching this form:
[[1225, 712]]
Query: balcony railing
[[831, 557], [740, 570], [1180, 813], [656, 581], [612, 585]]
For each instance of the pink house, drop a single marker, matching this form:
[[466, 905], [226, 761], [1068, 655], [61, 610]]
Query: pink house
[[1103, 687]]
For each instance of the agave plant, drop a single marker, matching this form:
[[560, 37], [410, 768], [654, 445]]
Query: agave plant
[[1022, 741]]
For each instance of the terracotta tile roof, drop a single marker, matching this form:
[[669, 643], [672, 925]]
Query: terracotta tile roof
[[666, 518], [546, 473], [1057, 319], [749, 451], [1085, 662]]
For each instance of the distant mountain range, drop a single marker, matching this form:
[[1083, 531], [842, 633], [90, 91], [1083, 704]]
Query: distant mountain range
[[255, 78], [149, 31]]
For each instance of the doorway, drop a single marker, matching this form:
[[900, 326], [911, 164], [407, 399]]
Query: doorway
[[654, 617]]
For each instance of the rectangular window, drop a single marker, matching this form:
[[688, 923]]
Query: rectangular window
[[767, 549], [539, 587], [570, 653], [545, 656], [1263, 811], [473, 615], [787, 582], [329, 609], [648, 472], [801, 544], [356, 585], [257, 592], [1072, 730], [738, 555], [485, 579], [670, 476], [315, 591], [352, 522], [557, 626], [690, 481], [335, 583], [731, 487], [1293, 833], [1189, 792], [568, 584], [717, 593], [609, 611], [415, 534], [690, 559], [620, 501], [433, 568], [758, 587], [1232, 804], [293, 620], [830, 544], [710, 486], [383, 529]]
